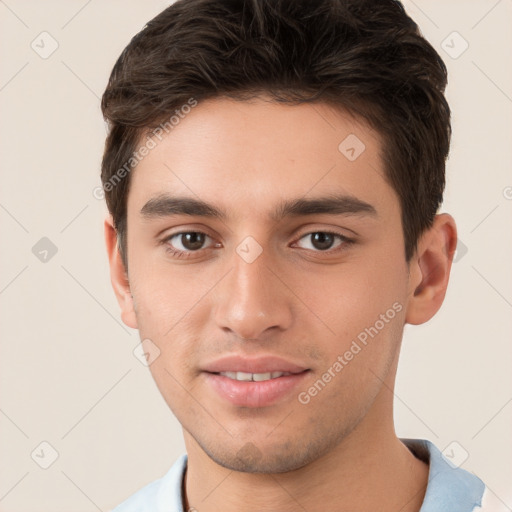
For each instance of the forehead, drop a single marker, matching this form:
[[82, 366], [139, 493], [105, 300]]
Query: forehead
[[247, 156]]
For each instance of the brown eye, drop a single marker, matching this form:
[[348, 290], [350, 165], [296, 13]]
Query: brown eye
[[187, 241], [323, 240], [192, 241]]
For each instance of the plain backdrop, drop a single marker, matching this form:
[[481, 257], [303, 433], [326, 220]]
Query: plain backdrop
[[68, 375]]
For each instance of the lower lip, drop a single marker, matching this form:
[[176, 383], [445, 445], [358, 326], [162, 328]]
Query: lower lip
[[254, 394]]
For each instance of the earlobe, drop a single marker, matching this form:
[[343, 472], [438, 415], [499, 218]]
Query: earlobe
[[119, 276], [430, 270]]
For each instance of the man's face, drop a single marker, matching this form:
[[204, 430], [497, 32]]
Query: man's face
[[260, 292]]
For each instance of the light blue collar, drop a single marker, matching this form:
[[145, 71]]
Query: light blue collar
[[449, 488]]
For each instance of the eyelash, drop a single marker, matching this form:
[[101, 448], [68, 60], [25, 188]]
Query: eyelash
[[176, 253]]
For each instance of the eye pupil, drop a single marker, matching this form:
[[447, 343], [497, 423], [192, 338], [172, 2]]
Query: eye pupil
[[192, 241], [322, 240]]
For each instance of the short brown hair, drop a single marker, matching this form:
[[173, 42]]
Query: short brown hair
[[365, 56]]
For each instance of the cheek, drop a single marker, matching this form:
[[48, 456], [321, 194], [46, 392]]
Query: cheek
[[358, 358], [172, 311], [352, 298], [165, 298]]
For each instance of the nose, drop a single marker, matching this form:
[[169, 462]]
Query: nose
[[252, 301]]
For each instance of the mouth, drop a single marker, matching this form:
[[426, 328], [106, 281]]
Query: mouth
[[261, 381], [254, 382]]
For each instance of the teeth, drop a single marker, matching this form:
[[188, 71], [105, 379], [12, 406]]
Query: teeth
[[256, 377], [261, 376]]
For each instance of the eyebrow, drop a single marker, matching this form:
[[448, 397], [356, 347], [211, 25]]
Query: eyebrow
[[166, 205]]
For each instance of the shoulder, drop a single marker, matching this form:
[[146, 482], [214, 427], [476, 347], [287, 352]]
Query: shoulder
[[449, 486], [161, 495]]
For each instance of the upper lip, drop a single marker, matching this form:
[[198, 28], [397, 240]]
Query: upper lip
[[260, 364]]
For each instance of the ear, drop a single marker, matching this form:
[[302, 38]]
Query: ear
[[430, 270], [119, 276]]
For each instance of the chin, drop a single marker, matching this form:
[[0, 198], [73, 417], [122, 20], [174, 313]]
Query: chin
[[269, 460]]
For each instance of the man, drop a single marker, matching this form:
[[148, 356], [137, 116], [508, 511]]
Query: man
[[273, 172]]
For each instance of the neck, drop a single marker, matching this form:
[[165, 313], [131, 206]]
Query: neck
[[369, 469]]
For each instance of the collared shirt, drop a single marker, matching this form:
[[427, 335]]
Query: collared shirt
[[449, 489]]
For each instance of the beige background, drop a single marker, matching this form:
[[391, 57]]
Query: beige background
[[68, 375]]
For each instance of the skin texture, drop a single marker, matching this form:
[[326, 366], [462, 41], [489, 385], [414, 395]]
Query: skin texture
[[339, 451]]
